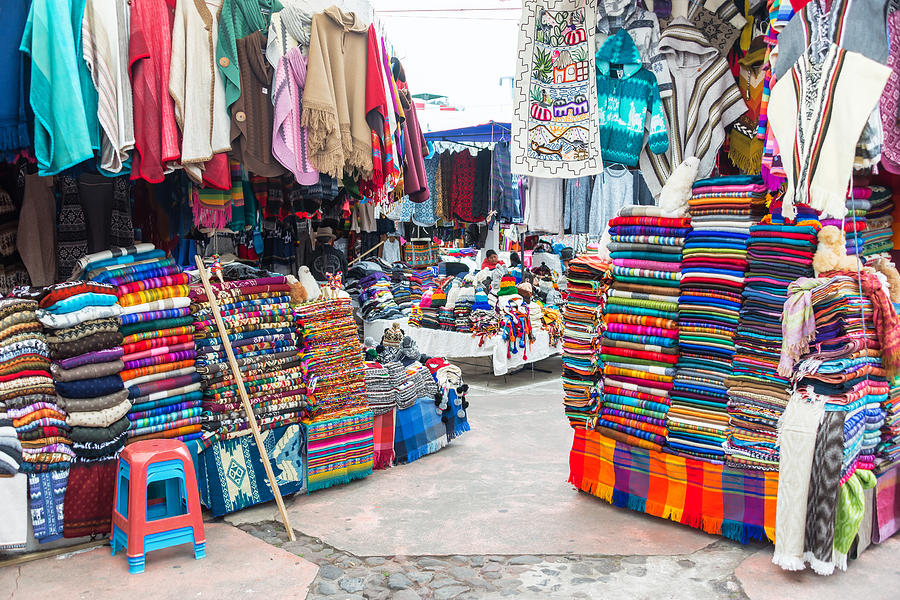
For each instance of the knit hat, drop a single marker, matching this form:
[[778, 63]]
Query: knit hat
[[507, 286], [481, 301], [425, 302], [438, 298], [525, 290], [393, 336]]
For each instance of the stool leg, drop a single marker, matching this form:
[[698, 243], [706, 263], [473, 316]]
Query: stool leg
[[199, 550], [137, 514], [136, 564]]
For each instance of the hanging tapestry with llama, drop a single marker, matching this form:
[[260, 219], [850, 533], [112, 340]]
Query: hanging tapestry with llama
[[555, 123]]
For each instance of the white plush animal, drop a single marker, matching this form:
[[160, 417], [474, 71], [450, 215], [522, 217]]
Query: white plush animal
[[675, 194], [309, 284]]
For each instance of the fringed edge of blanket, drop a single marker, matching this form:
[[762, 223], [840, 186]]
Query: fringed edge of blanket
[[327, 483], [459, 428], [360, 471], [384, 459], [733, 530], [430, 448]]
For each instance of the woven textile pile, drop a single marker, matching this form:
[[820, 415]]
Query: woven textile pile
[[339, 449], [261, 325], [332, 358], [82, 332], [376, 298], [43, 448], [841, 344], [588, 280], [878, 234], [157, 344], [854, 222], [757, 394], [713, 268], [888, 451], [640, 344]]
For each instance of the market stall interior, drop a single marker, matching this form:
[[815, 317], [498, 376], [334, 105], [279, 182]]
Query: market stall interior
[[273, 263]]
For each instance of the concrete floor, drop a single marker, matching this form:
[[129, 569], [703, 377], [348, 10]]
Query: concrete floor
[[475, 508]]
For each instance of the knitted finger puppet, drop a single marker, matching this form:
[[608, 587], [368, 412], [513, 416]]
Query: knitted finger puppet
[[674, 196], [831, 255]]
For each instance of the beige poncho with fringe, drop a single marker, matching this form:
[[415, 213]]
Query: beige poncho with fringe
[[334, 99]]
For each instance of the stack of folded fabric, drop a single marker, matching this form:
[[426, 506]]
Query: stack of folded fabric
[[888, 452], [878, 233], [157, 345], [639, 347], [714, 263], [82, 332], [381, 393], [462, 309], [332, 358], [757, 395], [845, 368], [261, 327], [400, 290], [376, 298], [419, 281], [853, 223], [429, 313], [28, 399], [588, 281]]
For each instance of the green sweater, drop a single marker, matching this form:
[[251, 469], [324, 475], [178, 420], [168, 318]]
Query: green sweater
[[239, 18]]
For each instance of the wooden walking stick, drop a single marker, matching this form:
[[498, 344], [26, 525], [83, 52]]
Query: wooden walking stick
[[245, 400]]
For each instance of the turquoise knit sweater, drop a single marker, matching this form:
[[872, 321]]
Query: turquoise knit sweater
[[626, 92]]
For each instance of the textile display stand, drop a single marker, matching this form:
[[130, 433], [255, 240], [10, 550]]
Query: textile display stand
[[245, 400], [450, 344]]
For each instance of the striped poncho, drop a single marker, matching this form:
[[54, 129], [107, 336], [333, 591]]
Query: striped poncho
[[705, 98]]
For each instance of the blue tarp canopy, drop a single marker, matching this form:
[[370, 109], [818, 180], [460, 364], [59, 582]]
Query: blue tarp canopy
[[490, 132]]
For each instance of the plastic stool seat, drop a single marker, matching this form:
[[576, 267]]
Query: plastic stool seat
[[173, 518]]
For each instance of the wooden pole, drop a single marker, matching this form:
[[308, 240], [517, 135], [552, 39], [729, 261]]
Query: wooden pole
[[369, 251], [245, 400]]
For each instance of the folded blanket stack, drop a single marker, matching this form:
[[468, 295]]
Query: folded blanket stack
[[888, 451], [262, 329], [34, 435], [840, 344], [878, 234], [332, 358], [588, 281], [639, 347], [712, 279], [157, 340], [419, 281], [853, 223], [400, 290], [376, 299], [757, 394], [82, 332]]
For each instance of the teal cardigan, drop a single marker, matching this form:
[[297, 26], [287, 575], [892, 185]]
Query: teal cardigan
[[623, 102]]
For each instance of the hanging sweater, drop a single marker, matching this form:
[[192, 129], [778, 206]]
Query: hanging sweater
[[818, 143], [643, 27], [196, 86], [334, 99], [705, 98], [624, 96], [105, 50], [13, 120], [239, 18], [252, 112], [62, 96], [290, 143], [150, 53]]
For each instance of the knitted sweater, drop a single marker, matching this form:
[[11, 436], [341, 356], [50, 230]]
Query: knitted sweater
[[239, 18], [624, 96]]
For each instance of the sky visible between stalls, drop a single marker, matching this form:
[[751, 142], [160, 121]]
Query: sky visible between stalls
[[462, 49]]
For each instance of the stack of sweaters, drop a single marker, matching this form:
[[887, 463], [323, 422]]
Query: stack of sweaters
[[43, 448], [640, 345], [878, 234], [332, 358], [261, 327], [713, 267], [157, 345], [588, 280], [82, 332], [757, 394]]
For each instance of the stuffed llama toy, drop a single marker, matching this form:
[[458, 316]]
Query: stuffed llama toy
[[674, 196], [831, 255]]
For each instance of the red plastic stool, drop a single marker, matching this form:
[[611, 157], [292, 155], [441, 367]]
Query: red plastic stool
[[156, 502]]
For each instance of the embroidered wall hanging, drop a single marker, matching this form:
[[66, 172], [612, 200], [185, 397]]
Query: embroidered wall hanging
[[555, 124]]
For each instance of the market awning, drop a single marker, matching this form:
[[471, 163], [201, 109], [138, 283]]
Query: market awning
[[490, 132]]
